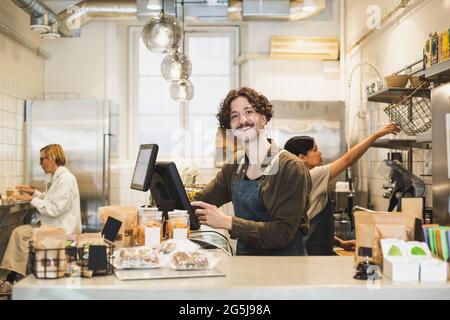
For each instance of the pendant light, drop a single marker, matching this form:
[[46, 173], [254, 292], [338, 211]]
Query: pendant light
[[162, 33], [182, 90], [177, 67]]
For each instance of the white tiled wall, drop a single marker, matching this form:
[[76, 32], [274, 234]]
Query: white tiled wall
[[11, 141]]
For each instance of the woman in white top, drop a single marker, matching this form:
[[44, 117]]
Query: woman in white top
[[320, 238], [58, 206]]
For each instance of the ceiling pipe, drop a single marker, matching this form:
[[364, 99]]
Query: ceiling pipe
[[36, 9], [74, 17]]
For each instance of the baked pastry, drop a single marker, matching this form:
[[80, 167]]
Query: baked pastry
[[165, 247], [138, 257], [184, 260]]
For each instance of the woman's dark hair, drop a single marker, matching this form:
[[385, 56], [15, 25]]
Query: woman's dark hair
[[257, 100], [299, 145]]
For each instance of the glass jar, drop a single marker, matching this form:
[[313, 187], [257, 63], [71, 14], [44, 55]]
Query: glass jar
[[149, 231], [177, 226]]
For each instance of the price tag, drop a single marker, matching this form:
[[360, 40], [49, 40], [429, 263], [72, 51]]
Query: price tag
[[180, 233], [152, 236]]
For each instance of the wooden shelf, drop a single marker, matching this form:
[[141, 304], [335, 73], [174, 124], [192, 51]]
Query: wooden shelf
[[393, 95], [439, 72], [401, 144]]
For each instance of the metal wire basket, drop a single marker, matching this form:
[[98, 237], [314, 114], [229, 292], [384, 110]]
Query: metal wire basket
[[67, 262], [412, 113]]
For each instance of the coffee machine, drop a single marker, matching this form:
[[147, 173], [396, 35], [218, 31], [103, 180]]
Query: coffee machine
[[401, 183]]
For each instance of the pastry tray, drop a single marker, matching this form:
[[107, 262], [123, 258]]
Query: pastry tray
[[165, 273]]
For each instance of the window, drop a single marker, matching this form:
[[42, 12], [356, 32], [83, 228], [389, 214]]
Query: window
[[183, 131]]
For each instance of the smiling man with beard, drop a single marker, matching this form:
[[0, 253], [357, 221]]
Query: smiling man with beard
[[269, 188]]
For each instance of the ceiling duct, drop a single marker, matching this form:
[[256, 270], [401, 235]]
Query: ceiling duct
[[74, 17], [274, 10], [36, 9], [193, 9], [261, 10], [40, 24], [53, 33], [41, 17]]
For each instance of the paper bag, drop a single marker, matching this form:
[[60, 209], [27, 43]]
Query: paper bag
[[128, 216], [84, 241], [370, 228], [50, 256]]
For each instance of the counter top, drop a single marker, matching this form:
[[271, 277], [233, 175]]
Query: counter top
[[7, 205], [248, 278]]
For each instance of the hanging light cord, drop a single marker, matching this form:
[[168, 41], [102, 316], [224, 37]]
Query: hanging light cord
[[182, 21]]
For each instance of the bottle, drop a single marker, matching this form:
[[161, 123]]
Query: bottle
[[434, 48], [178, 226], [427, 53], [149, 231]]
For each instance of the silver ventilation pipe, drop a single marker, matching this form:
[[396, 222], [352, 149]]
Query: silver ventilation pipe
[[73, 18], [36, 10]]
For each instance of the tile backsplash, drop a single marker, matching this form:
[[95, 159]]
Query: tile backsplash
[[11, 141]]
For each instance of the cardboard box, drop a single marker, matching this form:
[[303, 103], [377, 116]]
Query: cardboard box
[[432, 269], [401, 269], [411, 261]]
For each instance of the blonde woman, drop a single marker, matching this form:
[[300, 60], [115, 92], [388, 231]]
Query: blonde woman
[[58, 206]]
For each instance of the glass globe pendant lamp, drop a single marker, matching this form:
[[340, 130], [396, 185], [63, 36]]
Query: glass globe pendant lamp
[[176, 66], [162, 33], [182, 90]]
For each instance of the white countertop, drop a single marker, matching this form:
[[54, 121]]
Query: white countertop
[[249, 278]]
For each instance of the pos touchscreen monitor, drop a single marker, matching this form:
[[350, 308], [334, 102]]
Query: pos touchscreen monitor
[[166, 186], [145, 164]]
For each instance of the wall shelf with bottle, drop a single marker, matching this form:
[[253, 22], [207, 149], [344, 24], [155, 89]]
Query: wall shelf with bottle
[[438, 73]]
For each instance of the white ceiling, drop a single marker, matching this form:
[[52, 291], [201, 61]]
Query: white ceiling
[[59, 5]]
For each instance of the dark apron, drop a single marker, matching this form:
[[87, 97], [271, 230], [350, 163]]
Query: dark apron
[[248, 205], [320, 238]]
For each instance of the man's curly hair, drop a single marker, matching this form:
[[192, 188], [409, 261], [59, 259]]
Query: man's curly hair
[[257, 100]]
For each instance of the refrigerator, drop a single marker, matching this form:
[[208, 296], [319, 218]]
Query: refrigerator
[[440, 104], [82, 128]]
